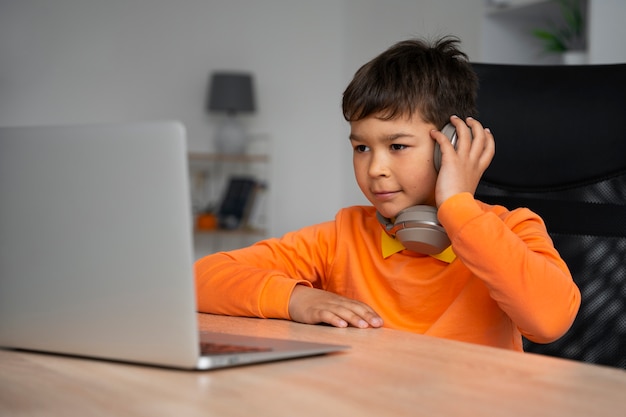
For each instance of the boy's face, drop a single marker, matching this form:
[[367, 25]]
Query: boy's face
[[393, 162]]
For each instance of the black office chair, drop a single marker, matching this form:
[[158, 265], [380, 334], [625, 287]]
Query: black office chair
[[561, 151]]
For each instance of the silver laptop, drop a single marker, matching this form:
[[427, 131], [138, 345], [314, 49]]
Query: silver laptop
[[96, 254]]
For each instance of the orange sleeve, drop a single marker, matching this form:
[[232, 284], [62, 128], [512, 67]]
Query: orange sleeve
[[257, 281], [512, 253]]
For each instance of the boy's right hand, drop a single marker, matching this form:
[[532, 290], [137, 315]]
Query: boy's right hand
[[312, 306]]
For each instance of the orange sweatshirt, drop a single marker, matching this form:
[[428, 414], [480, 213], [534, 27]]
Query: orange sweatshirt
[[507, 279]]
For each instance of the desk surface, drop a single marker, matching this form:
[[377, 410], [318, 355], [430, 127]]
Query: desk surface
[[386, 373]]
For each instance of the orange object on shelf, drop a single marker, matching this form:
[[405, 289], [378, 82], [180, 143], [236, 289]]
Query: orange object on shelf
[[206, 221]]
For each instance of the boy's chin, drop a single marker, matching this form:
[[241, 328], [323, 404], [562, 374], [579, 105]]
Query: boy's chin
[[387, 212], [392, 213]]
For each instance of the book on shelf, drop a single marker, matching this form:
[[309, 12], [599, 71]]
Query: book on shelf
[[237, 202], [257, 216]]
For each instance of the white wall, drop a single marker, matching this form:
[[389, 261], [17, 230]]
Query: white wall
[[77, 61], [607, 31]]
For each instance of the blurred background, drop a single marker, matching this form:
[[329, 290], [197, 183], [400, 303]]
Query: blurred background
[[83, 61]]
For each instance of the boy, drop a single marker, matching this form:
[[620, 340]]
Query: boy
[[500, 279]]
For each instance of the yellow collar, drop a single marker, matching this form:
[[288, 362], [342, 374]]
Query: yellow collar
[[390, 246]]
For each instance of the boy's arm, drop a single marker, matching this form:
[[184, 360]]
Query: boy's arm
[[258, 280], [514, 255], [226, 284], [280, 278]]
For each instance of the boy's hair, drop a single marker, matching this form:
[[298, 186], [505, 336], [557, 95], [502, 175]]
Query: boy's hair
[[435, 79]]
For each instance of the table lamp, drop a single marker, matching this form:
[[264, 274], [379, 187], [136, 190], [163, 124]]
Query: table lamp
[[231, 93]]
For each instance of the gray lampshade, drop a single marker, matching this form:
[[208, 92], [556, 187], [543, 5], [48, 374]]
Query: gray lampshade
[[231, 92]]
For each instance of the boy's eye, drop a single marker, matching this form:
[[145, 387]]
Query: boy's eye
[[397, 147], [360, 148]]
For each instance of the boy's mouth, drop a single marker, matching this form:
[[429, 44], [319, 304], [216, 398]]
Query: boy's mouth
[[384, 195]]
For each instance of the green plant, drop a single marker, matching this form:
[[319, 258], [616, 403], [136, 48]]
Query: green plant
[[569, 36]]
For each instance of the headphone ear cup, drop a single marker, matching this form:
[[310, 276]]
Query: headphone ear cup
[[437, 157], [419, 230], [450, 133]]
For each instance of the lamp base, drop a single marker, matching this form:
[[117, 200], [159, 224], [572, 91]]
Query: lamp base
[[231, 137]]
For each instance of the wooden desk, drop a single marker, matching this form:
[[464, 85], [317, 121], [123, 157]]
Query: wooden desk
[[386, 373]]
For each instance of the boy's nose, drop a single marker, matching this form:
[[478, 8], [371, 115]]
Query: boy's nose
[[379, 166]]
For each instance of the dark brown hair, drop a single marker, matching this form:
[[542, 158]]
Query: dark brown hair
[[435, 79]]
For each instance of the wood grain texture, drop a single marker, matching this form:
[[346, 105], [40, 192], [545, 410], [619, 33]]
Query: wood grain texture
[[385, 373]]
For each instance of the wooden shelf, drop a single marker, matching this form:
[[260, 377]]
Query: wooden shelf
[[210, 174], [522, 8], [216, 157], [241, 231]]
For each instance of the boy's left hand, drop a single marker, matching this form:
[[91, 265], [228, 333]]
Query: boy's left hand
[[462, 169]]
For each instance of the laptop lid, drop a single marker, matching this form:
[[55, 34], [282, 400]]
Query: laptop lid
[[95, 242], [96, 245]]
